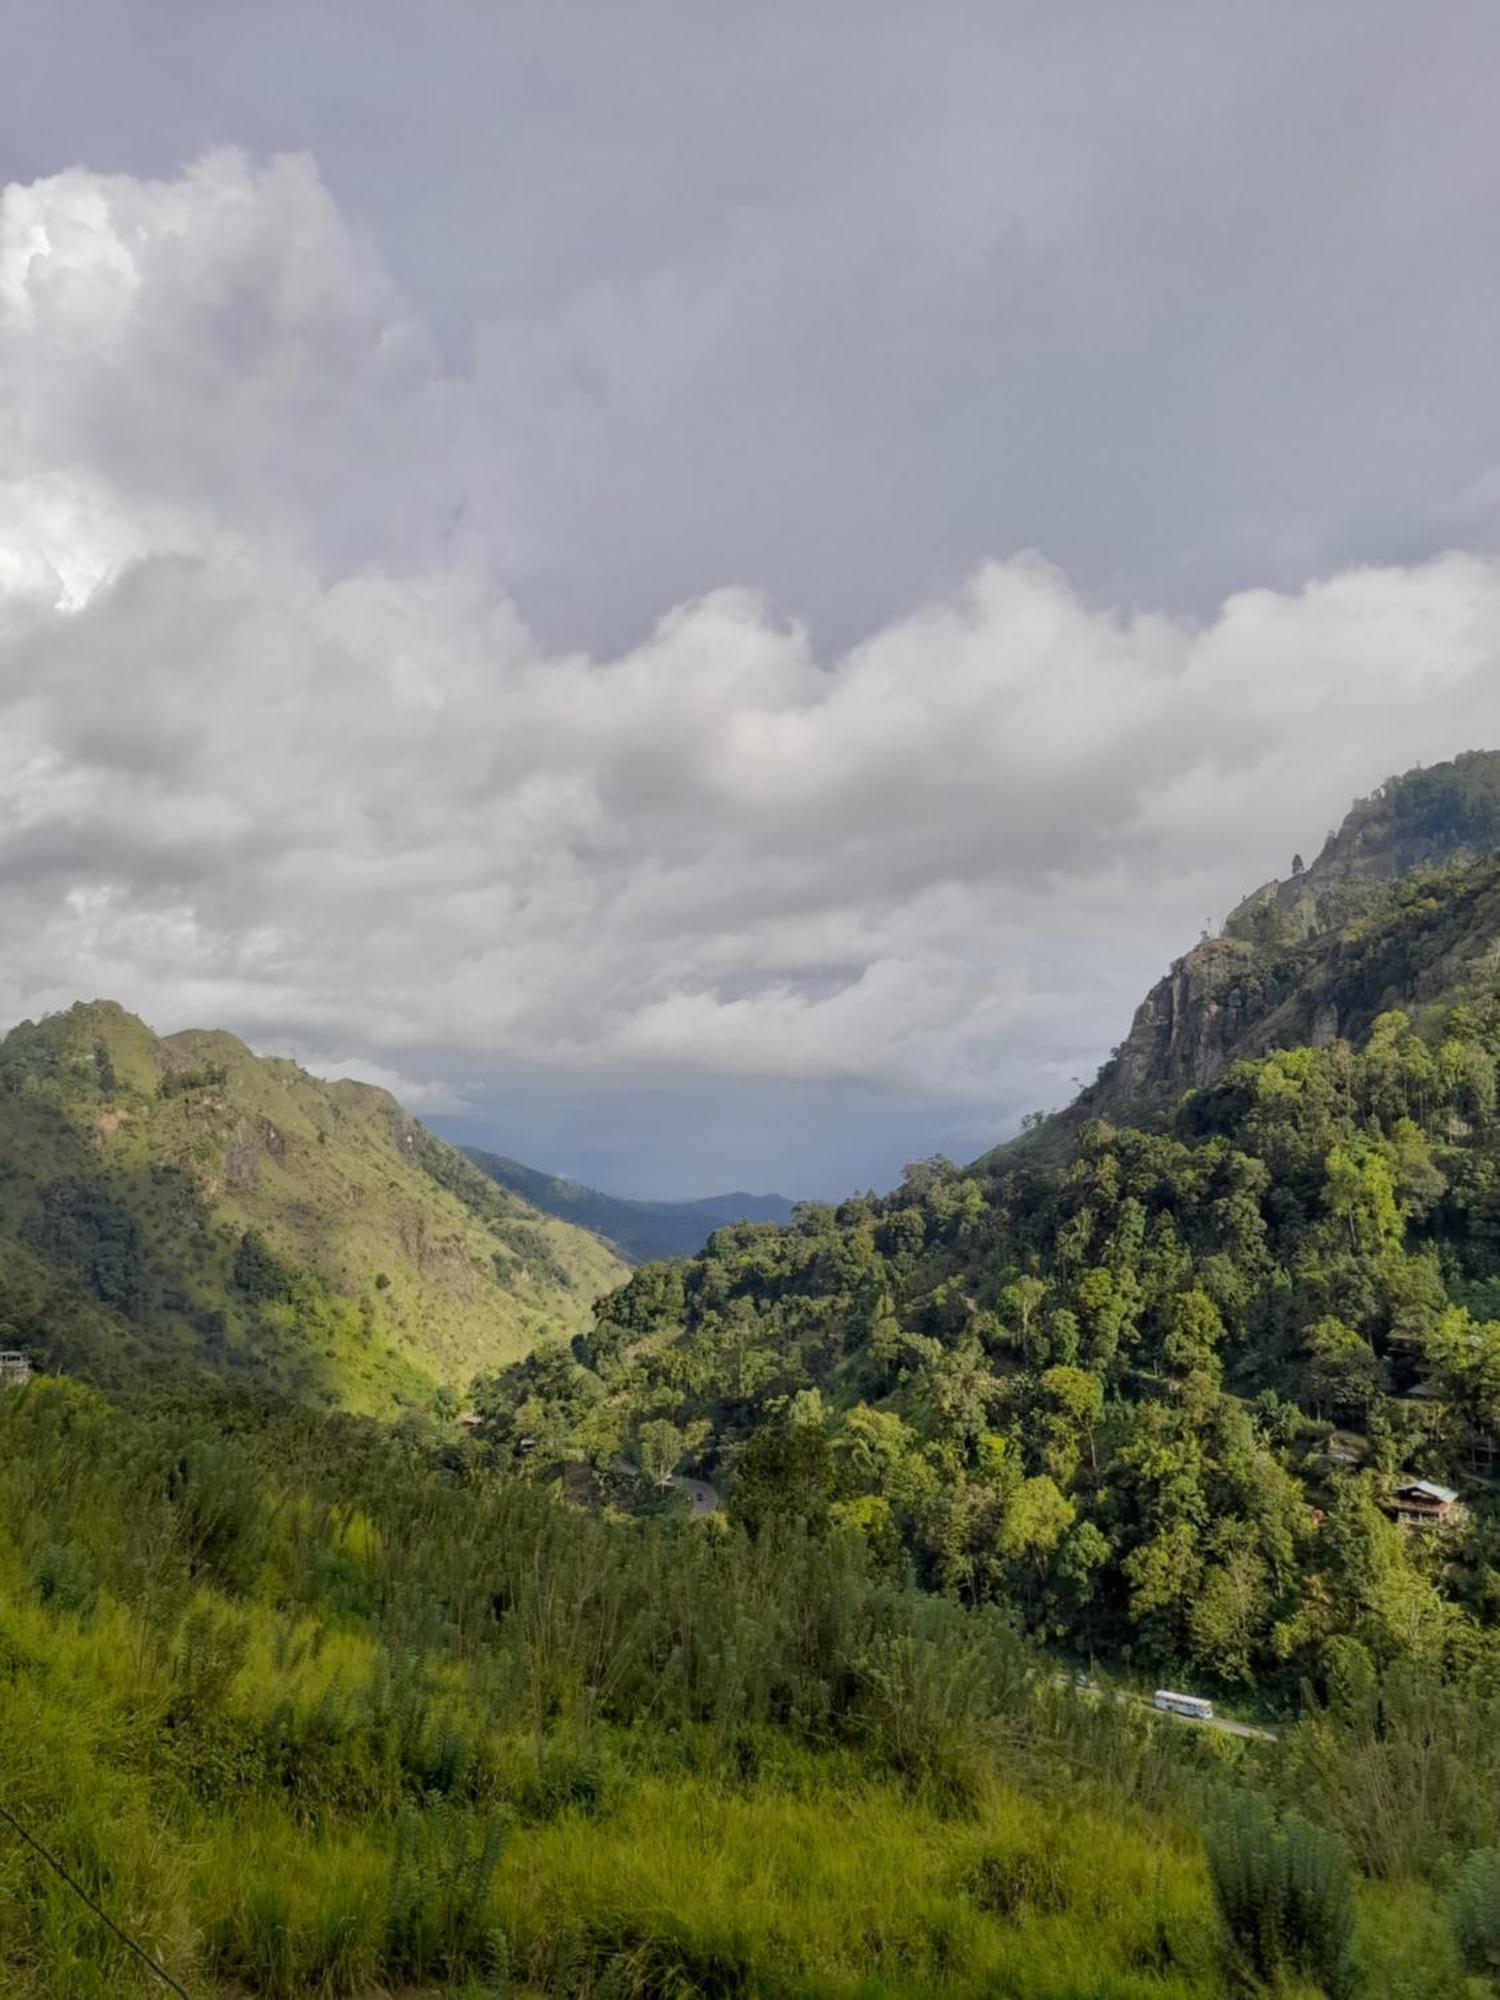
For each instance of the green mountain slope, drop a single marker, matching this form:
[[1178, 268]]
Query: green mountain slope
[[322, 1706], [178, 1201], [1157, 1384], [639, 1230]]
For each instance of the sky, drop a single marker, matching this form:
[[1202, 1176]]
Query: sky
[[711, 593]]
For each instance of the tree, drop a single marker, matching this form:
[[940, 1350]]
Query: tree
[[1020, 1305], [1103, 1306], [1035, 1522], [1361, 1194], [786, 1474], [1081, 1554], [531, 1412], [1376, 1593], [1466, 1353], [1419, 1183], [1228, 1615], [1075, 1402], [954, 1395], [1344, 1373], [1163, 1576], [659, 1450], [258, 1272], [875, 1452], [1195, 1333]]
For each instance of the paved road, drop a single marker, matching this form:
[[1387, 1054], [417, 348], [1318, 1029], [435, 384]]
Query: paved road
[[703, 1497], [1224, 1724]]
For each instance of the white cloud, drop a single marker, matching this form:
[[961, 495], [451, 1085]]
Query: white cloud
[[274, 759]]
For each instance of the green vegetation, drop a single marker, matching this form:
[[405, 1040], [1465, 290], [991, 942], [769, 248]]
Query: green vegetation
[[781, 1629], [639, 1230], [1284, 1895], [314, 1706], [1154, 1387], [1158, 1402], [180, 1204]]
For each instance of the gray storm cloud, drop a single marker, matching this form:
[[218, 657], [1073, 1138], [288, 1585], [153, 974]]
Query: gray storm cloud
[[279, 752]]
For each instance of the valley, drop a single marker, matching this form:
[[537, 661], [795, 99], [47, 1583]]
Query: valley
[[433, 1598], [639, 1231]]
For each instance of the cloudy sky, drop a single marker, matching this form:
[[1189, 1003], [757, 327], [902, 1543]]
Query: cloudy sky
[[713, 591]]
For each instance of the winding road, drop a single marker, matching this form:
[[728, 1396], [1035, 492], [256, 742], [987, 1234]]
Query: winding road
[[1225, 1725], [704, 1498]]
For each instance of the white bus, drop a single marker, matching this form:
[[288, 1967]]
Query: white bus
[[1185, 1704]]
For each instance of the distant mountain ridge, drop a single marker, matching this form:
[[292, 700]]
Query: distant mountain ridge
[[178, 1202], [642, 1231]]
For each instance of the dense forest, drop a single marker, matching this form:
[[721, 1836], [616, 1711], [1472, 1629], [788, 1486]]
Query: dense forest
[[1158, 1401], [1159, 1395], [782, 1627]]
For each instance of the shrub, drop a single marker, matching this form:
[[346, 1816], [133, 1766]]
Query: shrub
[[437, 1913], [1475, 1912], [1283, 1894]]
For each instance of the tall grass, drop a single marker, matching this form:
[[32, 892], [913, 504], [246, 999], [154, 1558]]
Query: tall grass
[[851, 1889], [311, 1716]]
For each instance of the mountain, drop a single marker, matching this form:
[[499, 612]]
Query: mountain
[[1399, 909], [1155, 1378], [179, 1202], [640, 1230], [1204, 1395]]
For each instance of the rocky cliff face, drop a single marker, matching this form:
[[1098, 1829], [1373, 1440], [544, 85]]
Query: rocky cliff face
[[1216, 1003], [1399, 909], [1184, 1028]]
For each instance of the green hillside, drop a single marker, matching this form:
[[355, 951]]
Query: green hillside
[[320, 1712], [792, 1629], [177, 1202], [1154, 1386], [639, 1230]]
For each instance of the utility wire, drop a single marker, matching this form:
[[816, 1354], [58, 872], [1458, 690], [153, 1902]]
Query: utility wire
[[103, 1915]]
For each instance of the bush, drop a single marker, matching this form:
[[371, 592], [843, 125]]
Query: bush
[[1475, 1912], [437, 1921], [1283, 1894]]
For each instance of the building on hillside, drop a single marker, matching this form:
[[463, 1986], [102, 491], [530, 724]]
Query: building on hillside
[[1422, 1503], [15, 1369]]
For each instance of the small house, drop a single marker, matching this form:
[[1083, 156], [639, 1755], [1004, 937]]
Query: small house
[[1422, 1503], [15, 1369]]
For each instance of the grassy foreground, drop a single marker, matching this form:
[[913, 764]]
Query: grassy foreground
[[312, 1710]]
